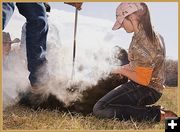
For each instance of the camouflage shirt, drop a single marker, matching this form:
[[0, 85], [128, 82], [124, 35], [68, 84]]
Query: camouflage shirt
[[143, 53]]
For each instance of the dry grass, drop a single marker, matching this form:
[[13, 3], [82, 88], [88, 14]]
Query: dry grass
[[18, 117]]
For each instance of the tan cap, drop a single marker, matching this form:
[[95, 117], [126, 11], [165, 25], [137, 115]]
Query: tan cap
[[123, 10]]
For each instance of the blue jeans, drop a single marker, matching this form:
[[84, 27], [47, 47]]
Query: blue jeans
[[128, 101], [36, 35]]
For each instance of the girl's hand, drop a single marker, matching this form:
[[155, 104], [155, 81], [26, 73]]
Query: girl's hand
[[75, 4], [117, 71]]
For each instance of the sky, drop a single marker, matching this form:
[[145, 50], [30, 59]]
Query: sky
[[163, 16]]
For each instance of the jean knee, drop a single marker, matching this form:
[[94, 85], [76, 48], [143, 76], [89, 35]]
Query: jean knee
[[100, 111], [97, 108]]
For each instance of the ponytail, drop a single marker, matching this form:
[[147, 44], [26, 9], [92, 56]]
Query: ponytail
[[145, 23]]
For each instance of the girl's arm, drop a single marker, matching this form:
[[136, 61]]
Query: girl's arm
[[140, 75]]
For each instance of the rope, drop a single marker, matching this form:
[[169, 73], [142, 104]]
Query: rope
[[74, 45]]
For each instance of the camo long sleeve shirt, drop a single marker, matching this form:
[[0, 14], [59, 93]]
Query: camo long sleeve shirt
[[143, 53]]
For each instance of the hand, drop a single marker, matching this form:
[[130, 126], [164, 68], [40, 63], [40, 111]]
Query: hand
[[75, 4], [118, 70], [47, 6], [115, 71]]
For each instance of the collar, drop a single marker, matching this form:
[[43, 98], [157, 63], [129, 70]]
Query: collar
[[139, 35]]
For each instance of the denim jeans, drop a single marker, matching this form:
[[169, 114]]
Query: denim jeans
[[36, 35], [128, 101]]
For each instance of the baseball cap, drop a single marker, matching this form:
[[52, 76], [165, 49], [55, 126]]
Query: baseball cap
[[123, 10]]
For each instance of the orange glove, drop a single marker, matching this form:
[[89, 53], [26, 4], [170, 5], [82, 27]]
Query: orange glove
[[75, 4], [144, 75]]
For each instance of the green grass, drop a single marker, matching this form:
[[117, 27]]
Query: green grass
[[18, 117]]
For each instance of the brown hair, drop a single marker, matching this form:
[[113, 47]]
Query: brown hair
[[145, 22]]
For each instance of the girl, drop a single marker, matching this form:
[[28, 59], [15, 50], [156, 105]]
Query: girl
[[145, 70]]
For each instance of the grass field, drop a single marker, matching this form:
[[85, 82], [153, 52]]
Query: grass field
[[18, 117]]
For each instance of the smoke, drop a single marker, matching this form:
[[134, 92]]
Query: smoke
[[95, 42], [15, 76]]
